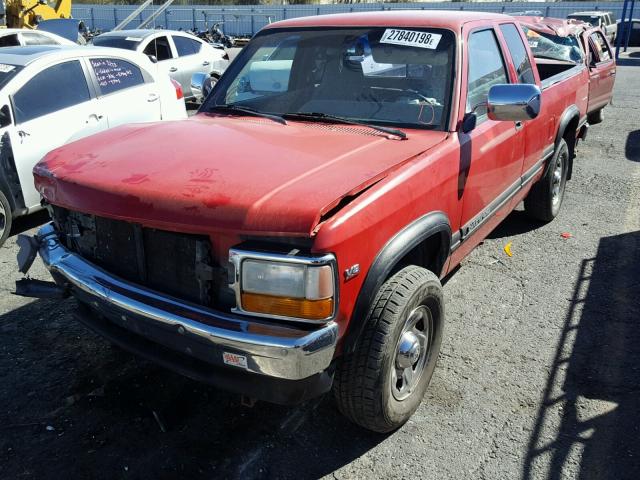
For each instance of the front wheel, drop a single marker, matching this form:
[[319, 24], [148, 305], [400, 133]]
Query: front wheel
[[382, 382]]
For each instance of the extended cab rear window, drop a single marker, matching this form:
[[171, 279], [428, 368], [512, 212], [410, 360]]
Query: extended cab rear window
[[380, 75]]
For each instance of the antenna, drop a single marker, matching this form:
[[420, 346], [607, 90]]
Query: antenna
[[156, 14], [133, 14]]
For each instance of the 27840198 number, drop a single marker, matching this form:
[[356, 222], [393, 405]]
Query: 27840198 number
[[411, 38]]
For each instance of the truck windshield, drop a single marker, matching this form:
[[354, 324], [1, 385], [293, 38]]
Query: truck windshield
[[381, 76], [556, 47]]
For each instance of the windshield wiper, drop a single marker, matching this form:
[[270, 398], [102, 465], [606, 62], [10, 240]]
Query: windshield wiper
[[334, 118], [249, 111]]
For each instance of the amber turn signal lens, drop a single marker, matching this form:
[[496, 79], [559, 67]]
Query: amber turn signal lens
[[288, 307]]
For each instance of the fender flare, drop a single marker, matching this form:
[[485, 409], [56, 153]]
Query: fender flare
[[568, 115], [387, 258]]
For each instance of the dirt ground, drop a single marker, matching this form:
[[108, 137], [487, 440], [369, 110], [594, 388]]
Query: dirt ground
[[539, 375]]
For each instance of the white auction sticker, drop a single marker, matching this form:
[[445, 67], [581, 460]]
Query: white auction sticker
[[4, 68], [411, 38], [133, 39], [234, 359]]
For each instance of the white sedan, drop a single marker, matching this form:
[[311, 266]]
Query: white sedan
[[179, 54], [15, 37], [51, 95]]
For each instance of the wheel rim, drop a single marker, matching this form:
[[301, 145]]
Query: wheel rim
[[411, 353], [557, 185], [3, 219]]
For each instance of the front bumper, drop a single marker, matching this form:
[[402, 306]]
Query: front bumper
[[232, 351]]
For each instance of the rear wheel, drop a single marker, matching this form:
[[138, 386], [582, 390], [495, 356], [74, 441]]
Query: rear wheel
[[381, 384], [596, 117], [545, 198], [5, 218]]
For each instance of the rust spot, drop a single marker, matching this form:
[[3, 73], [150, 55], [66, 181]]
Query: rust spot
[[136, 179], [202, 175], [74, 167], [215, 202]]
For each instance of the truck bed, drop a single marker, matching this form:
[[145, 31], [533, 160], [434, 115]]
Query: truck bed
[[554, 71]]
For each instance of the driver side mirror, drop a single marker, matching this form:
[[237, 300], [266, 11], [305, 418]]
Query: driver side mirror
[[5, 116], [513, 102], [153, 58]]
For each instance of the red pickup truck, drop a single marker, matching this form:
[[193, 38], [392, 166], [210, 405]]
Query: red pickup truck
[[556, 40], [290, 238]]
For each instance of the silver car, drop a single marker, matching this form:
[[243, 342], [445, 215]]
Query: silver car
[[178, 54]]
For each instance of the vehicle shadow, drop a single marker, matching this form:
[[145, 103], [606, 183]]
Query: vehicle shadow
[[588, 419], [632, 146], [75, 406], [516, 223]]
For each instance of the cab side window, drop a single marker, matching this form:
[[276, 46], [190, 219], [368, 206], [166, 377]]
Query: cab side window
[[159, 48], [518, 53], [486, 68], [35, 100]]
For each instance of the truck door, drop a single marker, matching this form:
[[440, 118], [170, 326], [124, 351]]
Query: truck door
[[491, 153], [602, 70], [534, 132], [52, 108]]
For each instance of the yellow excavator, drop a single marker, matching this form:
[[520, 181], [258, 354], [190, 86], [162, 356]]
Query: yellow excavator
[[29, 13]]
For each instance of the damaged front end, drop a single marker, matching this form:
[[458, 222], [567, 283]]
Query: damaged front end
[[175, 323], [29, 287]]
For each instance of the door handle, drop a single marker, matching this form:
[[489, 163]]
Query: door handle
[[519, 125], [152, 97], [173, 69], [205, 64]]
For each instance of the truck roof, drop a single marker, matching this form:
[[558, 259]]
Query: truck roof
[[450, 19], [554, 26]]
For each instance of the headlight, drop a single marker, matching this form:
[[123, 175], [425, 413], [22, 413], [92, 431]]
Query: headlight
[[284, 286]]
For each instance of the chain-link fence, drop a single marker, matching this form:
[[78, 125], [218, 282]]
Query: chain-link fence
[[240, 20]]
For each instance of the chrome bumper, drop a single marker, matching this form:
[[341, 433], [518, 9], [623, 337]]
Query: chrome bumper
[[256, 346]]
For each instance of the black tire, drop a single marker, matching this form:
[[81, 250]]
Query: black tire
[[364, 387], [6, 218], [545, 198], [596, 117]]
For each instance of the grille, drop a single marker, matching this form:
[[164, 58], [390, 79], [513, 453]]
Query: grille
[[177, 264]]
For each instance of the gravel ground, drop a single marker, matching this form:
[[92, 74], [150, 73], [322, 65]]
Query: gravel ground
[[539, 375]]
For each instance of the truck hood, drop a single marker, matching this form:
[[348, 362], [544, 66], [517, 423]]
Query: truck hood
[[236, 174]]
